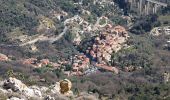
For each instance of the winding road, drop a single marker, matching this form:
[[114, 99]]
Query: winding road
[[53, 39], [96, 25], [45, 38]]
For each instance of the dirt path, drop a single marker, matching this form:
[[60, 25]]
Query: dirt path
[[52, 40], [39, 38], [96, 25], [45, 38]]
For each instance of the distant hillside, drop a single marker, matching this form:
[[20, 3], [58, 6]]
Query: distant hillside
[[25, 20], [24, 15]]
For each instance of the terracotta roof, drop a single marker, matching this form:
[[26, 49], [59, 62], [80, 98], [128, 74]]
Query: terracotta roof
[[108, 68], [45, 61], [29, 61]]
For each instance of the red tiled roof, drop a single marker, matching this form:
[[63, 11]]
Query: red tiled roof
[[108, 68], [45, 61]]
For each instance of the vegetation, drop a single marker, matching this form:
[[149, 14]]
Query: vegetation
[[117, 20], [70, 36], [144, 24], [146, 51], [139, 54], [102, 21]]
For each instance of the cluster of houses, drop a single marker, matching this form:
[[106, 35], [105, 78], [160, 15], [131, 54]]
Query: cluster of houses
[[111, 39], [108, 41], [81, 66], [80, 63]]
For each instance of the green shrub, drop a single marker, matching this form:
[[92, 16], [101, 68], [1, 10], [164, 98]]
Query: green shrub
[[41, 70]]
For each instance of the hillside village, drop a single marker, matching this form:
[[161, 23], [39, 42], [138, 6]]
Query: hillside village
[[83, 50], [110, 39]]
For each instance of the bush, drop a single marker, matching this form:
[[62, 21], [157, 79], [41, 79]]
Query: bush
[[42, 70], [145, 24], [58, 73]]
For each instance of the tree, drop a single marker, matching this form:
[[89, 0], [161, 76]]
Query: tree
[[145, 24]]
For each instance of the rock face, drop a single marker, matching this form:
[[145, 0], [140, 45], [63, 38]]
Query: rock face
[[49, 98], [61, 89], [85, 96], [36, 91], [14, 84], [17, 86], [15, 98], [55, 88]]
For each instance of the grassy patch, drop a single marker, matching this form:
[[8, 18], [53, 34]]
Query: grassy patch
[[102, 21], [164, 19]]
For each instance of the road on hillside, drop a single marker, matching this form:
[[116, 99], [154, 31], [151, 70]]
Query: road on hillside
[[45, 38]]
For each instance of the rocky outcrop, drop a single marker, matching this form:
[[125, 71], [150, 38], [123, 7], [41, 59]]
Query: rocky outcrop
[[17, 86], [15, 98], [55, 88], [86, 96], [48, 97], [19, 91], [3, 57], [160, 30], [166, 77], [14, 84]]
